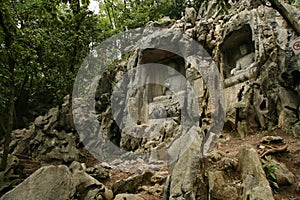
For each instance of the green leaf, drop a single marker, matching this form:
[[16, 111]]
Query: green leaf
[[273, 176], [275, 185], [228, 6]]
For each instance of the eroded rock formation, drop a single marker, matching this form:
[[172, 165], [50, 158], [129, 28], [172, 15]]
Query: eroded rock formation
[[250, 46], [260, 74]]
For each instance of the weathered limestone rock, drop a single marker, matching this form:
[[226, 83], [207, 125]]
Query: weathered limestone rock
[[298, 188], [296, 130], [182, 179], [87, 185], [283, 175], [7, 177], [132, 183], [49, 182], [159, 178], [229, 163], [216, 155], [249, 46], [155, 190], [163, 108], [288, 115], [249, 28], [190, 15], [128, 197], [50, 139], [255, 184], [59, 182], [99, 172], [218, 188]]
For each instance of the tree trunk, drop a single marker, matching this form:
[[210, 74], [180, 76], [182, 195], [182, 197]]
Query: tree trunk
[[11, 105], [286, 15], [10, 120], [109, 15], [3, 128], [116, 24]]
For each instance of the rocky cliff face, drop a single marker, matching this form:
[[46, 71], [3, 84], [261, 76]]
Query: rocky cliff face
[[262, 88], [169, 125], [250, 47]]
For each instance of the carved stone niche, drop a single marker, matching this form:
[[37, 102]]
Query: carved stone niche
[[237, 52], [157, 101]]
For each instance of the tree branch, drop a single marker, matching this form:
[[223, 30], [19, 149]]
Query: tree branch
[[2, 126], [286, 15]]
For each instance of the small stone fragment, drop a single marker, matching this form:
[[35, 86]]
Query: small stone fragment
[[271, 139]]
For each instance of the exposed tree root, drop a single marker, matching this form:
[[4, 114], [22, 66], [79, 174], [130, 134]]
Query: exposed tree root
[[274, 150]]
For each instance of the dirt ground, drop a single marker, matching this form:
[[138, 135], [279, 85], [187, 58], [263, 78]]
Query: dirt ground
[[230, 144]]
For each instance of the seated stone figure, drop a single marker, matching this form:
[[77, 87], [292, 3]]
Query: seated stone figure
[[175, 82], [247, 61]]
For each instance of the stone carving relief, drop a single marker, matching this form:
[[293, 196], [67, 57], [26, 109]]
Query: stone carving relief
[[238, 60], [160, 101], [247, 61]]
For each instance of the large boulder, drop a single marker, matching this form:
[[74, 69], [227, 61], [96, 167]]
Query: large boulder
[[51, 182], [182, 179], [59, 182], [255, 183], [284, 176], [218, 188], [87, 186]]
